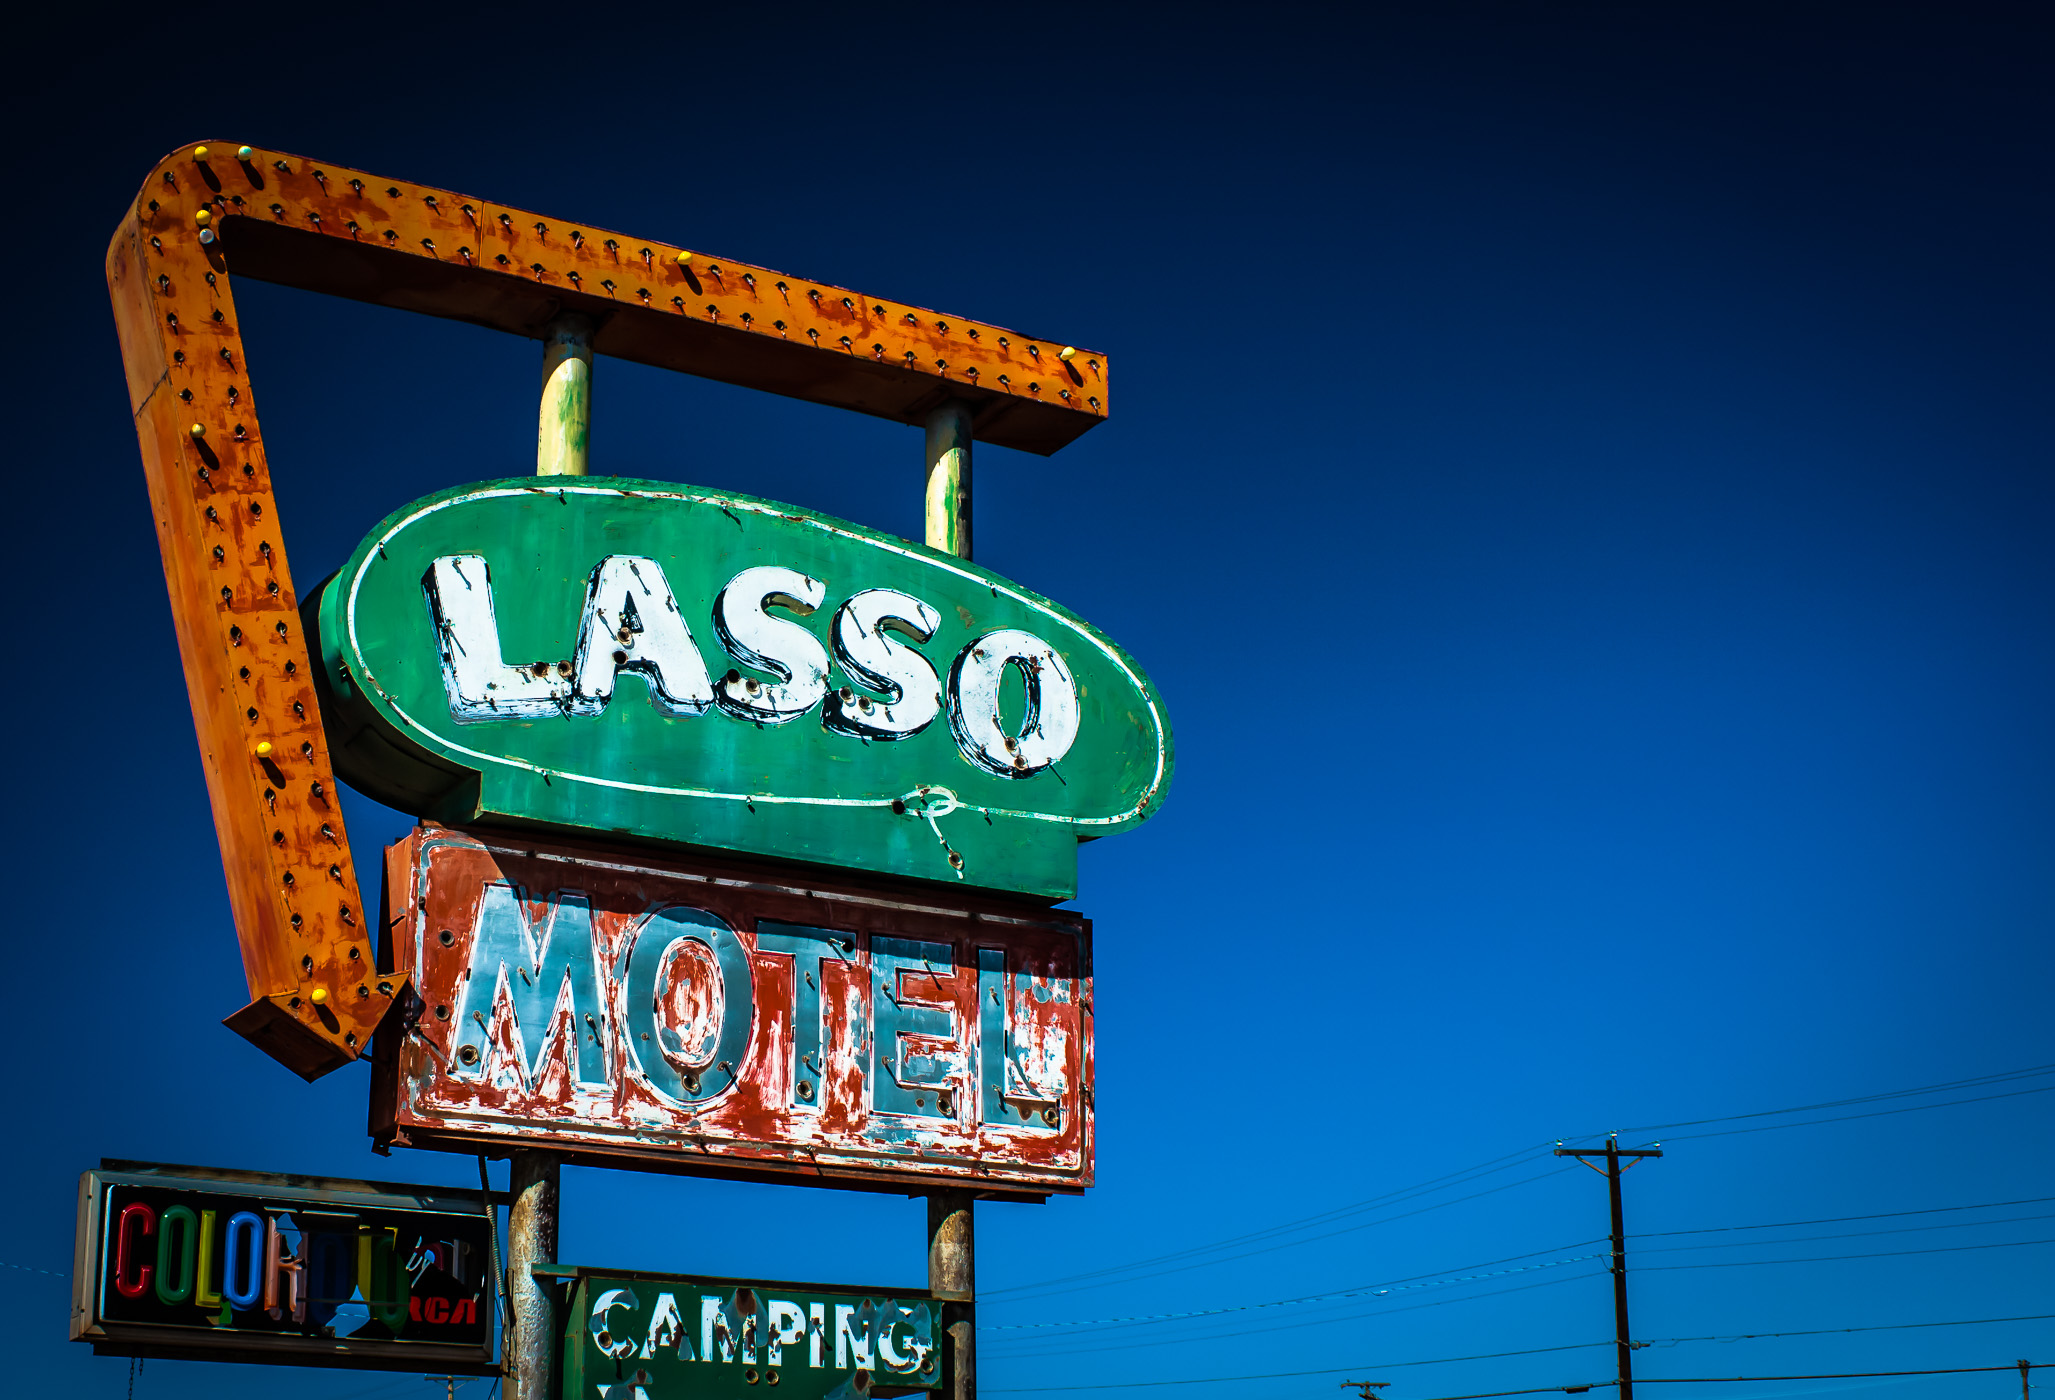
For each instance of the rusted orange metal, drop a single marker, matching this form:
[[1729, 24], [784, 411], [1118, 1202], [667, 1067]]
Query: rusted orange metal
[[210, 210]]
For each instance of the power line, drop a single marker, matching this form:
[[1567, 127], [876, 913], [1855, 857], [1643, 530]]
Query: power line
[[1023, 1296], [1844, 1219], [1851, 1234], [1434, 1279], [1537, 1390], [1576, 1346], [1727, 1380], [1389, 1198], [1851, 1117], [1194, 1254], [1844, 1375], [1977, 1082], [1195, 1337], [1665, 1250], [1833, 1331], [1834, 1258], [1437, 1279]]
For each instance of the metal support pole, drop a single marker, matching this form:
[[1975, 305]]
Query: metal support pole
[[530, 1343], [564, 426], [948, 491], [952, 1277]]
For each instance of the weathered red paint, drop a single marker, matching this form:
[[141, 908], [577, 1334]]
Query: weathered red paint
[[436, 881]]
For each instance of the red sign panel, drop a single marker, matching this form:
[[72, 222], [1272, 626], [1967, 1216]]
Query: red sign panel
[[718, 1019]]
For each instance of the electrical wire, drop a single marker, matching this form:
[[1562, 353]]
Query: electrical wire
[[1842, 1219], [1023, 1297], [1393, 1197], [1830, 1376], [1851, 1117], [1575, 1389], [1834, 1258], [1191, 1338], [1850, 1234], [1437, 1278], [1976, 1082], [1536, 1390], [1833, 1331], [1728, 1337], [1434, 1280], [1194, 1254]]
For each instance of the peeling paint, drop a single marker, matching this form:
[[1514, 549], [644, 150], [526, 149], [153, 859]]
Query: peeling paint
[[707, 1017], [810, 1341]]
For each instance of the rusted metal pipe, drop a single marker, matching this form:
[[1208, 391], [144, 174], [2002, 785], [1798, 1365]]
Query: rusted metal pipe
[[529, 1344], [952, 1277], [948, 482], [564, 427]]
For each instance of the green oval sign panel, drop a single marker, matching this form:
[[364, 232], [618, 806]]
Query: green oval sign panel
[[690, 666]]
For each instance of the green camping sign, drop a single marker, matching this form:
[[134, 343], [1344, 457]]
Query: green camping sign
[[699, 667]]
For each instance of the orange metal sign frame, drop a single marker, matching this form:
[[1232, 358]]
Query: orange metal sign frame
[[316, 995]]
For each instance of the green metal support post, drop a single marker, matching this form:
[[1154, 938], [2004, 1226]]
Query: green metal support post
[[950, 1213], [563, 434], [564, 422], [952, 1224], [948, 479]]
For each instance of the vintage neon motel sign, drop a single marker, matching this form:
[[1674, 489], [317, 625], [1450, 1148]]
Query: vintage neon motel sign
[[208, 216], [708, 1017], [240, 1266], [684, 665], [642, 1336]]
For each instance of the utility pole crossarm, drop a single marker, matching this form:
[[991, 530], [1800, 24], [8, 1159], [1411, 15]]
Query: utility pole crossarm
[[1609, 1152]]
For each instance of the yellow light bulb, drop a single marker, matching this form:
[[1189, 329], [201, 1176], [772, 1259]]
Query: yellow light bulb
[[684, 259], [1067, 353], [199, 153], [263, 748], [198, 430], [318, 995], [203, 217]]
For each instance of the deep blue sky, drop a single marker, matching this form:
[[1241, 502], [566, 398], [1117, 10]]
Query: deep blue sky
[[1580, 475]]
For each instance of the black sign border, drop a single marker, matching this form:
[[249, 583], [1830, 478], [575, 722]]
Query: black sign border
[[155, 1343]]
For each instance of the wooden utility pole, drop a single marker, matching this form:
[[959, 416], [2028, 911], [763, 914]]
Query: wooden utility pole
[[1613, 1152]]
